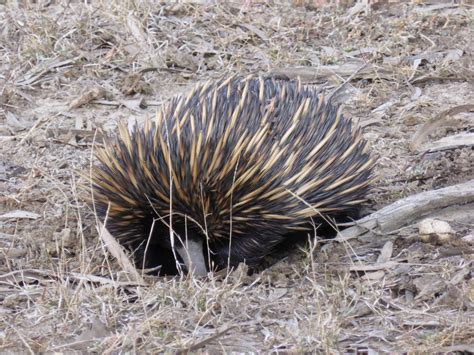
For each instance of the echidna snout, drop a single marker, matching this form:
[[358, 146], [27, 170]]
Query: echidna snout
[[192, 254], [237, 167]]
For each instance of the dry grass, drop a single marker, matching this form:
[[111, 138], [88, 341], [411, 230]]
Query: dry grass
[[68, 68]]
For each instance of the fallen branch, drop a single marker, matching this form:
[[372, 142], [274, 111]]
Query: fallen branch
[[410, 209], [337, 73], [451, 142]]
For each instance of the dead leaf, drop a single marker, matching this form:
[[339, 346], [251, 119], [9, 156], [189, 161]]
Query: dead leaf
[[15, 123], [452, 55], [255, 31], [460, 276], [118, 252], [376, 275], [369, 122], [135, 29], [134, 105], [277, 293], [386, 252], [428, 286]]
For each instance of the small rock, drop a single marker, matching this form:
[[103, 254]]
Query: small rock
[[432, 230]]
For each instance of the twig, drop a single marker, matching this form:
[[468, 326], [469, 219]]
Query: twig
[[435, 122], [340, 87], [203, 342]]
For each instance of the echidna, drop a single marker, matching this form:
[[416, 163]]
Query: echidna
[[236, 167]]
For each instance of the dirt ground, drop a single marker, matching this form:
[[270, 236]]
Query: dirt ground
[[68, 68]]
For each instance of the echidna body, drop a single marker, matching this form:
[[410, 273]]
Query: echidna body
[[235, 167]]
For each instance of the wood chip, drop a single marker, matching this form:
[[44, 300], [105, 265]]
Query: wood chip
[[87, 97]]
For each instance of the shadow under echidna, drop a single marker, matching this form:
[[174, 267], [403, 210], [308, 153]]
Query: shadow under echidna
[[236, 167]]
